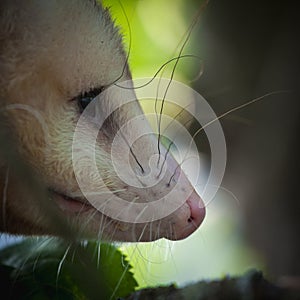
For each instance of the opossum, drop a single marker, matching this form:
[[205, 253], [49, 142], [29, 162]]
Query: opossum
[[57, 57]]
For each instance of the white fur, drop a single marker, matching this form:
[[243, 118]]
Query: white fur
[[50, 52]]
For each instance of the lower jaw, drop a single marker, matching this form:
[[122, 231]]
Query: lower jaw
[[72, 207]]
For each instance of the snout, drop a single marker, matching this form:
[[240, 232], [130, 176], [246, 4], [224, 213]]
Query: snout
[[177, 210], [141, 189], [195, 213], [190, 215]]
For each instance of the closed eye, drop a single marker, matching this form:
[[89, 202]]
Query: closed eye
[[84, 99]]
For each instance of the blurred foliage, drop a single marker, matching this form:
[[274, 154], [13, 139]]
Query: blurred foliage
[[47, 268]]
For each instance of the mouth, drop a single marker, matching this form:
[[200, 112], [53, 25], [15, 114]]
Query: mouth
[[70, 204], [192, 214]]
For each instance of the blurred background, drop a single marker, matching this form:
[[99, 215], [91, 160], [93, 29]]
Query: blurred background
[[242, 50], [245, 49]]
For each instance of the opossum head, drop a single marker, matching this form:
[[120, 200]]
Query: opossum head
[[56, 57]]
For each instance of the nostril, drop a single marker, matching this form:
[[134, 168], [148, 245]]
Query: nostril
[[197, 209], [191, 215]]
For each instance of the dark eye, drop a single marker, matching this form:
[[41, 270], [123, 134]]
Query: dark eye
[[87, 97]]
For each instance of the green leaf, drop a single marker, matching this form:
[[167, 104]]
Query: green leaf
[[47, 268]]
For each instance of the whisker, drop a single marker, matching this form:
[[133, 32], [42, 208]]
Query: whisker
[[38, 256], [226, 190], [93, 213], [157, 72], [126, 266], [188, 34], [170, 145], [199, 74], [171, 230], [18, 271], [165, 159], [175, 117], [98, 193], [237, 108], [4, 199], [129, 45], [132, 153], [86, 222], [91, 216], [173, 175], [98, 253], [112, 234], [157, 233], [142, 233], [224, 115], [61, 263], [100, 230], [150, 230]]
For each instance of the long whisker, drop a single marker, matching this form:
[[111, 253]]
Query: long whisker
[[61, 264], [170, 145], [132, 153], [4, 199], [89, 219], [98, 253], [238, 108], [188, 34], [165, 159], [224, 115], [158, 71], [227, 191], [100, 230], [129, 45], [176, 116], [24, 262], [142, 233]]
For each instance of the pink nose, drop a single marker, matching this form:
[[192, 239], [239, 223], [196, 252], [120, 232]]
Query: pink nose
[[196, 216]]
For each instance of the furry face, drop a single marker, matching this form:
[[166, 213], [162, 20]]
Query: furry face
[[55, 57]]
